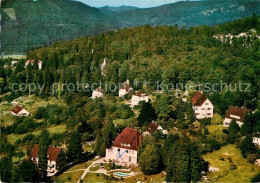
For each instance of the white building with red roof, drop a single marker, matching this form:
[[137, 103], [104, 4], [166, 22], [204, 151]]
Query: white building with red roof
[[124, 148], [32, 63], [97, 93], [154, 126], [235, 113], [202, 106], [125, 89], [19, 111], [139, 97], [56, 159]]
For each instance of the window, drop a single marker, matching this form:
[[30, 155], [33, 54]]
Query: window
[[118, 149], [207, 104], [209, 108], [208, 114]]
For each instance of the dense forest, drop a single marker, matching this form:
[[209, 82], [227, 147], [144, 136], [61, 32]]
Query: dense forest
[[33, 24]]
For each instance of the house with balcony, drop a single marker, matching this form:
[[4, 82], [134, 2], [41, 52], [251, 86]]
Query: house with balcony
[[202, 106], [56, 159], [235, 113], [124, 148]]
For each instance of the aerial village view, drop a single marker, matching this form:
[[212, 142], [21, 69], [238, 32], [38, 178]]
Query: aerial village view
[[130, 91]]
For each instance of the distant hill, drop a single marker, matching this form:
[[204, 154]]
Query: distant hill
[[42, 22], [28, 24], [120, 9], [191, 13]]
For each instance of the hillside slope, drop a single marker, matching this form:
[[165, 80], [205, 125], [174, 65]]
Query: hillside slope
[[191, 13], [43, 22]]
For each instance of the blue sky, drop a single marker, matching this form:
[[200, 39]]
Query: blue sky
[[138, 3]]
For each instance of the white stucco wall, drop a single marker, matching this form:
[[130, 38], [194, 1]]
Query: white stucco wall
[[96, 94], [129, 157], [204, 111], [227, 122], [136, 99], [21, 113], [256, 141]]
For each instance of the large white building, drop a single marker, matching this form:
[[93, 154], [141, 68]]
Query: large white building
[[97, 93], [19, 111], [124, 149], [139, 97], [56, 159], [125, 89], [235, 113], [202, 106]]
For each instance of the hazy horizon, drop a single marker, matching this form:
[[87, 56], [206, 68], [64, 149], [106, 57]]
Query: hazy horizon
[[136, 3]]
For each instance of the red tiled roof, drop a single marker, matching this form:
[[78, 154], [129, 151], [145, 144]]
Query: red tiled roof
[[17, 109], [152, 127], [139, 93], [126, 87], [198, 99], [53, 152], [128, 136], [236, 111], [99, 89]]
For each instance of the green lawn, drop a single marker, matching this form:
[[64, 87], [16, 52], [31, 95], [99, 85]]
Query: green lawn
[[74, 176], [12, 138], [71, 177], [244, 172], [213, 128], [93, 177]]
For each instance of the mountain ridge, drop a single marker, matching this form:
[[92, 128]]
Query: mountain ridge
[[43, 22]]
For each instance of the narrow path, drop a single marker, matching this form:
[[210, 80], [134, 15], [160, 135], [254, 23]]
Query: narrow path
[[88, 169]]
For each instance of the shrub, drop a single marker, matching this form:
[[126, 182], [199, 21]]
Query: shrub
[[233, 167]]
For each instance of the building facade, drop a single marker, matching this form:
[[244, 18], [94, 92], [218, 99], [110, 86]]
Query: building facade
[[202, 106], [139, 97], [97, 93], [124, 149], [234, 113], [125, 89], [19, 111], [56, 159]]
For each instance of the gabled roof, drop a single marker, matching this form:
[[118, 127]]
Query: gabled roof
[[152, 127], [126, 87], [129, 138], [17, 109], [140, 94], [236, 111], [198, 99], [53, 152], [99, 89]]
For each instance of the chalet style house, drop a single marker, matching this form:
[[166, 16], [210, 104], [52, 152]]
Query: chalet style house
[[97, 93], [32, 63], [152, 127], [235, 113], [256, 141], [19, 111], [139, 97], [202, 106], [124, 149], [56, 159], [125, 89]]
